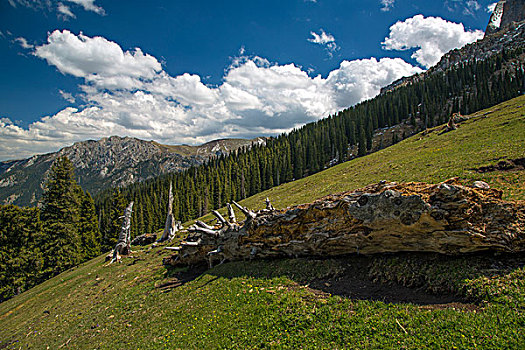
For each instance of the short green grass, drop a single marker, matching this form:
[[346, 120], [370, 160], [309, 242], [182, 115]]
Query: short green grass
[[267, 304], [259, 304]]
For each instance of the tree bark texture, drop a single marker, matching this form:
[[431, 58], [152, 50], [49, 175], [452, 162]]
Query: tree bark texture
[[448, 218], [123, 246]]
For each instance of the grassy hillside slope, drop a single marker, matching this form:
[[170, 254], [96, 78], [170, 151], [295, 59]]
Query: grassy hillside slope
[[487, 138], [305, 303]]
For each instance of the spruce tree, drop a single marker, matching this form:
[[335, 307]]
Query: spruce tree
[[20, 257], [88, 228], [61, 243]]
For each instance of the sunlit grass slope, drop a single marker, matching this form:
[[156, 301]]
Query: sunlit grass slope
[[268, 304]]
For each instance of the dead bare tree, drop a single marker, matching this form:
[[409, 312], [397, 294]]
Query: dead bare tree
[[171, 227], [123, 246], [269, 205], [231, 213]]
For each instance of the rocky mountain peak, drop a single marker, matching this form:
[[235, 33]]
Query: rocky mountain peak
[[505, 13], [113, 151], [109, 162]]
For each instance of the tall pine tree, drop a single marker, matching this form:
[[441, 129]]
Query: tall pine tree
[[20, 255], [61, 242], [88, 228]]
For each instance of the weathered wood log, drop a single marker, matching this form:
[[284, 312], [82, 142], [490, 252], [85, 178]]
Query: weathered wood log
[[447, 218], [202, 224], [220, 218], [248, 213], [123, 246], [231, 213]]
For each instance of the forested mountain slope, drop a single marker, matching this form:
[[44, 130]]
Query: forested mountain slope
[[487, 146], [307, 303], [367, 127]]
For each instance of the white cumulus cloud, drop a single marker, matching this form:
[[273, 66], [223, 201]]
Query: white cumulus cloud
[[321, 38], [431, 37], [98, 60], [127, 93], [387, 5], [360, 80], [326, 40]]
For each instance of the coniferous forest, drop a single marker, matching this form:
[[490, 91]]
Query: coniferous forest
[[38, 243], [466, 88]]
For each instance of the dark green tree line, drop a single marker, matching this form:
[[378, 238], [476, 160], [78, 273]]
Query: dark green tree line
[[465, 88], [36, 244]]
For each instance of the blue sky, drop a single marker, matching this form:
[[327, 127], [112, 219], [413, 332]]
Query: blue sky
[[192, 71]]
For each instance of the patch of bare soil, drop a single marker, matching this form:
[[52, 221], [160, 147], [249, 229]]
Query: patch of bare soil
[[504, 165], [182, 277], [354, 283]]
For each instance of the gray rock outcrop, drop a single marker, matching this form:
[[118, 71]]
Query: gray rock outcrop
[[505, 13]]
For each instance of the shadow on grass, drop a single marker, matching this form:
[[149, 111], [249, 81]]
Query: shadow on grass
[[432, 280]]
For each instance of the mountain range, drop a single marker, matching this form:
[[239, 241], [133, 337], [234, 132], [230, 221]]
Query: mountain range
[[110, 162]]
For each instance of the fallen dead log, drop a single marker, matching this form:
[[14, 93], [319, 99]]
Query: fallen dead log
[[447, 218]]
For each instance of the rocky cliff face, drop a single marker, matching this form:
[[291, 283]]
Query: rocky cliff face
[[509, 37], [112, 161], [505, 13]]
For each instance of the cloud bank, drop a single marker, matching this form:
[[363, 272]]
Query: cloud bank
[[128, 93], [432, 37]]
